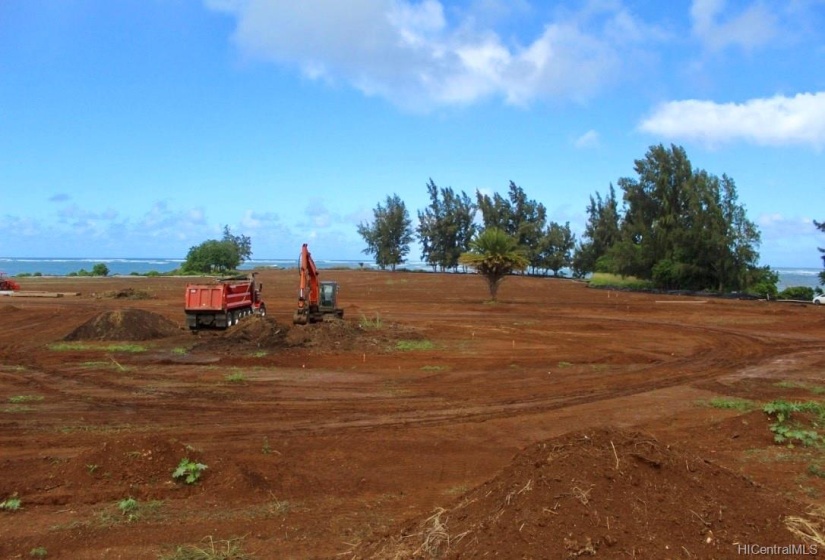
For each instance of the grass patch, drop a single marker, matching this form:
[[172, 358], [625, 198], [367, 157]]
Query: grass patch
[[17, 408], [210, 550], [38, 552], [237, 377], [563, 365], [434, 368], [179, 351], [11, 504], [74, 346], [408, 345], [731, 403], [815, 389], [18, 399], [371, 324], [260, 354], [604, 280]]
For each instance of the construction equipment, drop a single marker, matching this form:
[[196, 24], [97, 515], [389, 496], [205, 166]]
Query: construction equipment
[[7, 284], [224, 303], [316, 300]]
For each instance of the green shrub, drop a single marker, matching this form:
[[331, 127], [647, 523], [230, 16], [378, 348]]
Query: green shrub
[[188, 471], [803, 293]]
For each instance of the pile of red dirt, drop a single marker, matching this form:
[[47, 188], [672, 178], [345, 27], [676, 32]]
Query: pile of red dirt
[[606, 493], [125, 324], [335, 335]]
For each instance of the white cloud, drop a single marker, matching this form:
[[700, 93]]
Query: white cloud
[[589, 139], [753, 26], [415, 55], [777, 120]]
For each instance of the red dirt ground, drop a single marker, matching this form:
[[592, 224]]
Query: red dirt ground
[[560, 422]]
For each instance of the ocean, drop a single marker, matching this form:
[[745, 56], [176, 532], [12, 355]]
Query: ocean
[[125, 266]]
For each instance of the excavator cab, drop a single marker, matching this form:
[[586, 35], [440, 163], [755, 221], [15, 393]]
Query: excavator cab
[[328, 297]]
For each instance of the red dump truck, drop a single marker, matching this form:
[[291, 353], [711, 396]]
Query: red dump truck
[[224, 303]]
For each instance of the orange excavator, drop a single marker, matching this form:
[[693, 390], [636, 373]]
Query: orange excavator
[[316, 300]]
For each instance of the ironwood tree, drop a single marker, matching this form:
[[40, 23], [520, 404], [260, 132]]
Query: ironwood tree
[[389, 235], [679, 227], [445, 227]]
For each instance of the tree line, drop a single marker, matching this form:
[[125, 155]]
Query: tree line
[[674, 225]]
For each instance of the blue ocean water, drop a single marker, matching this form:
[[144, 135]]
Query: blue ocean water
[[124, 266]]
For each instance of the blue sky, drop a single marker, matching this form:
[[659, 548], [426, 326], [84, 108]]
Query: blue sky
[[138, 128]]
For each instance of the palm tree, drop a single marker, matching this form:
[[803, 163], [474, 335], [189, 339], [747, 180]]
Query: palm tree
[[494, 255]]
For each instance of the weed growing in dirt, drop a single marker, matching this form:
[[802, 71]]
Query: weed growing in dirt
[[407, 345], [260, 354], [222, 550], [266, 449], [730, 403], [563, 365], [370, 324], [17, 399], [433, 368], [39, 552], [17, 408], [128, 508], [92, 468], [816, 470], [790, 434], [11, 504], [237, 377], [188, 471], [179, 351]]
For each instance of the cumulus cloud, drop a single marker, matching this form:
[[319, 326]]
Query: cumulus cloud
[[776, 120], [419, 54], [753, 26]]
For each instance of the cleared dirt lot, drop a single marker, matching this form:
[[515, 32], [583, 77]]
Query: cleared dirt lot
[[344, 440]]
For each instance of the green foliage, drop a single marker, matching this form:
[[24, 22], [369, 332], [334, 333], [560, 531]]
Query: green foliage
[[782, 433], [605, 280], [407, 345], [237, 377], [494, 255], [128, 508], [792, 434], [100, 269], [38, 552], [389, 236], [11, 504], [18, 399], [218, 256], [821, 227], [679, 227], [69, 346], [727, 403], [445, 227], [762, 282], [556, 248], [801, 293], [188, 471]]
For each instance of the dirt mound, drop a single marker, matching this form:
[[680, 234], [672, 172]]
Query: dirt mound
[[9, 309], [124, 324], [126, 293], [329, 336], [606, 493]]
